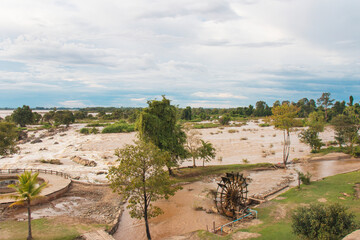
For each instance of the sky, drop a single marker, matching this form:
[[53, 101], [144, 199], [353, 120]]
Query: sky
[[203, 53]]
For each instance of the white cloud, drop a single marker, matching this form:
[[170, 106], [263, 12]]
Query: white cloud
[[138, 99], [73, 104], [217, 95], [187, 49]]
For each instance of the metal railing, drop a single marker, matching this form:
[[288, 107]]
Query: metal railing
[[20, 170]]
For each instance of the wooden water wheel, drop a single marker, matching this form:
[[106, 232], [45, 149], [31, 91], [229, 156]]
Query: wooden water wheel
[[231, 195]]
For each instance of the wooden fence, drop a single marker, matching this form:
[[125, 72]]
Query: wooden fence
[[20, 170]]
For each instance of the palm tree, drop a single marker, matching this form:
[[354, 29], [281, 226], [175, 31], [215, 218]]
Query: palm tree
[[27, 189]]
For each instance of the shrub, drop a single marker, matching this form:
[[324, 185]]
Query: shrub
[[245, 160], [224, 120], [264, 125], [97, 124], [319, 221], [119, 127], [94, 130], [232, 131], [205, 125], [84, 131], [305, 178]]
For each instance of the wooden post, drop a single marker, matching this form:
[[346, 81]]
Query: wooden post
[[214, 226]]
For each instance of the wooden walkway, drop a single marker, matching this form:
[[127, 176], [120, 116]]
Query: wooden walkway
[[97, 235]]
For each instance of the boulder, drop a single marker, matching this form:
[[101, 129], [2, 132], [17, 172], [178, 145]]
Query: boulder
[[83, 161]]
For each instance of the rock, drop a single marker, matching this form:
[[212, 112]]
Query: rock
[[101, 172], [64, 134], [227, 230], [84, 162], [37, 140], [56, 143]]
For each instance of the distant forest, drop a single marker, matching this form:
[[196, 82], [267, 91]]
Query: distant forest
[[325, 103]]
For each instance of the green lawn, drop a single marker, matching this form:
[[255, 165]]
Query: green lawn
[[44, 229], [275, 215]]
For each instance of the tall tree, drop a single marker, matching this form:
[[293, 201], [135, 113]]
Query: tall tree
[[346, 130], [157, 123], [27, 190], [315, 124], [141, 178], [284, 119], [8, 137], [351, 101], [325, 102], [22, 116], [64, 117], [192, 142], [206, 151], [186, 113]]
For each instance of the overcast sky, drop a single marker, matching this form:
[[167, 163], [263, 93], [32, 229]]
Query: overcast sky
[[207, 53]]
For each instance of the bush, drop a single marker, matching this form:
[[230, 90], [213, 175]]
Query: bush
[[97, 124], [205, 125], [224, 120], [94, 130], [84, 131], [319, 221], [305, 178], [119, 127], [264, 125]]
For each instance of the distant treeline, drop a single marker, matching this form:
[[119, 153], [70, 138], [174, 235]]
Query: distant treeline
[[324, 103]]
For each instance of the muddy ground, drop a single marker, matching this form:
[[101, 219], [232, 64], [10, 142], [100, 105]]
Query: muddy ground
[[81, 204]]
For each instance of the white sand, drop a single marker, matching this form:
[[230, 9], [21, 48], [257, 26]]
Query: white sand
[[100, 148]]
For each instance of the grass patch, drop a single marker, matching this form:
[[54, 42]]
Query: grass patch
[[205, 125], [119, 127], [196, 174], [276, 214], [44, 229], [97, 124]]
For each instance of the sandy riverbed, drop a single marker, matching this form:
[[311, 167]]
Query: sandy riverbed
[[251, 142]]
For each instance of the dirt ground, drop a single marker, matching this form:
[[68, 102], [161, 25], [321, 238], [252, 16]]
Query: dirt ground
[[81, 204]]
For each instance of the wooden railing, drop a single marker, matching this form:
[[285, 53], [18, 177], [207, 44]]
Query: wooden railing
[[20, 170]]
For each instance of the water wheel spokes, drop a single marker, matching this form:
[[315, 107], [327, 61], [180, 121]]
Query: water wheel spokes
[[231, 194]]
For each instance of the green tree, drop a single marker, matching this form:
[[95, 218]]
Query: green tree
[[22, 116], [319, 221], [157, 124], [284, 119], [64, 117], [346, 130], [186, 113], [27, 190], [225, 119], [206, 151], [310, 136], [325, 102], [351, 101], [141, 178], [36, 117], [8, 137]]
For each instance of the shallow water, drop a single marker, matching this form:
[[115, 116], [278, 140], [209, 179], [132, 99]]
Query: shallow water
[[321, 169]]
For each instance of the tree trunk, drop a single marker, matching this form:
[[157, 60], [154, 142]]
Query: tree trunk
[[194, 164], [146, 217], [286, 149], [170, 171], [29, 221]]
